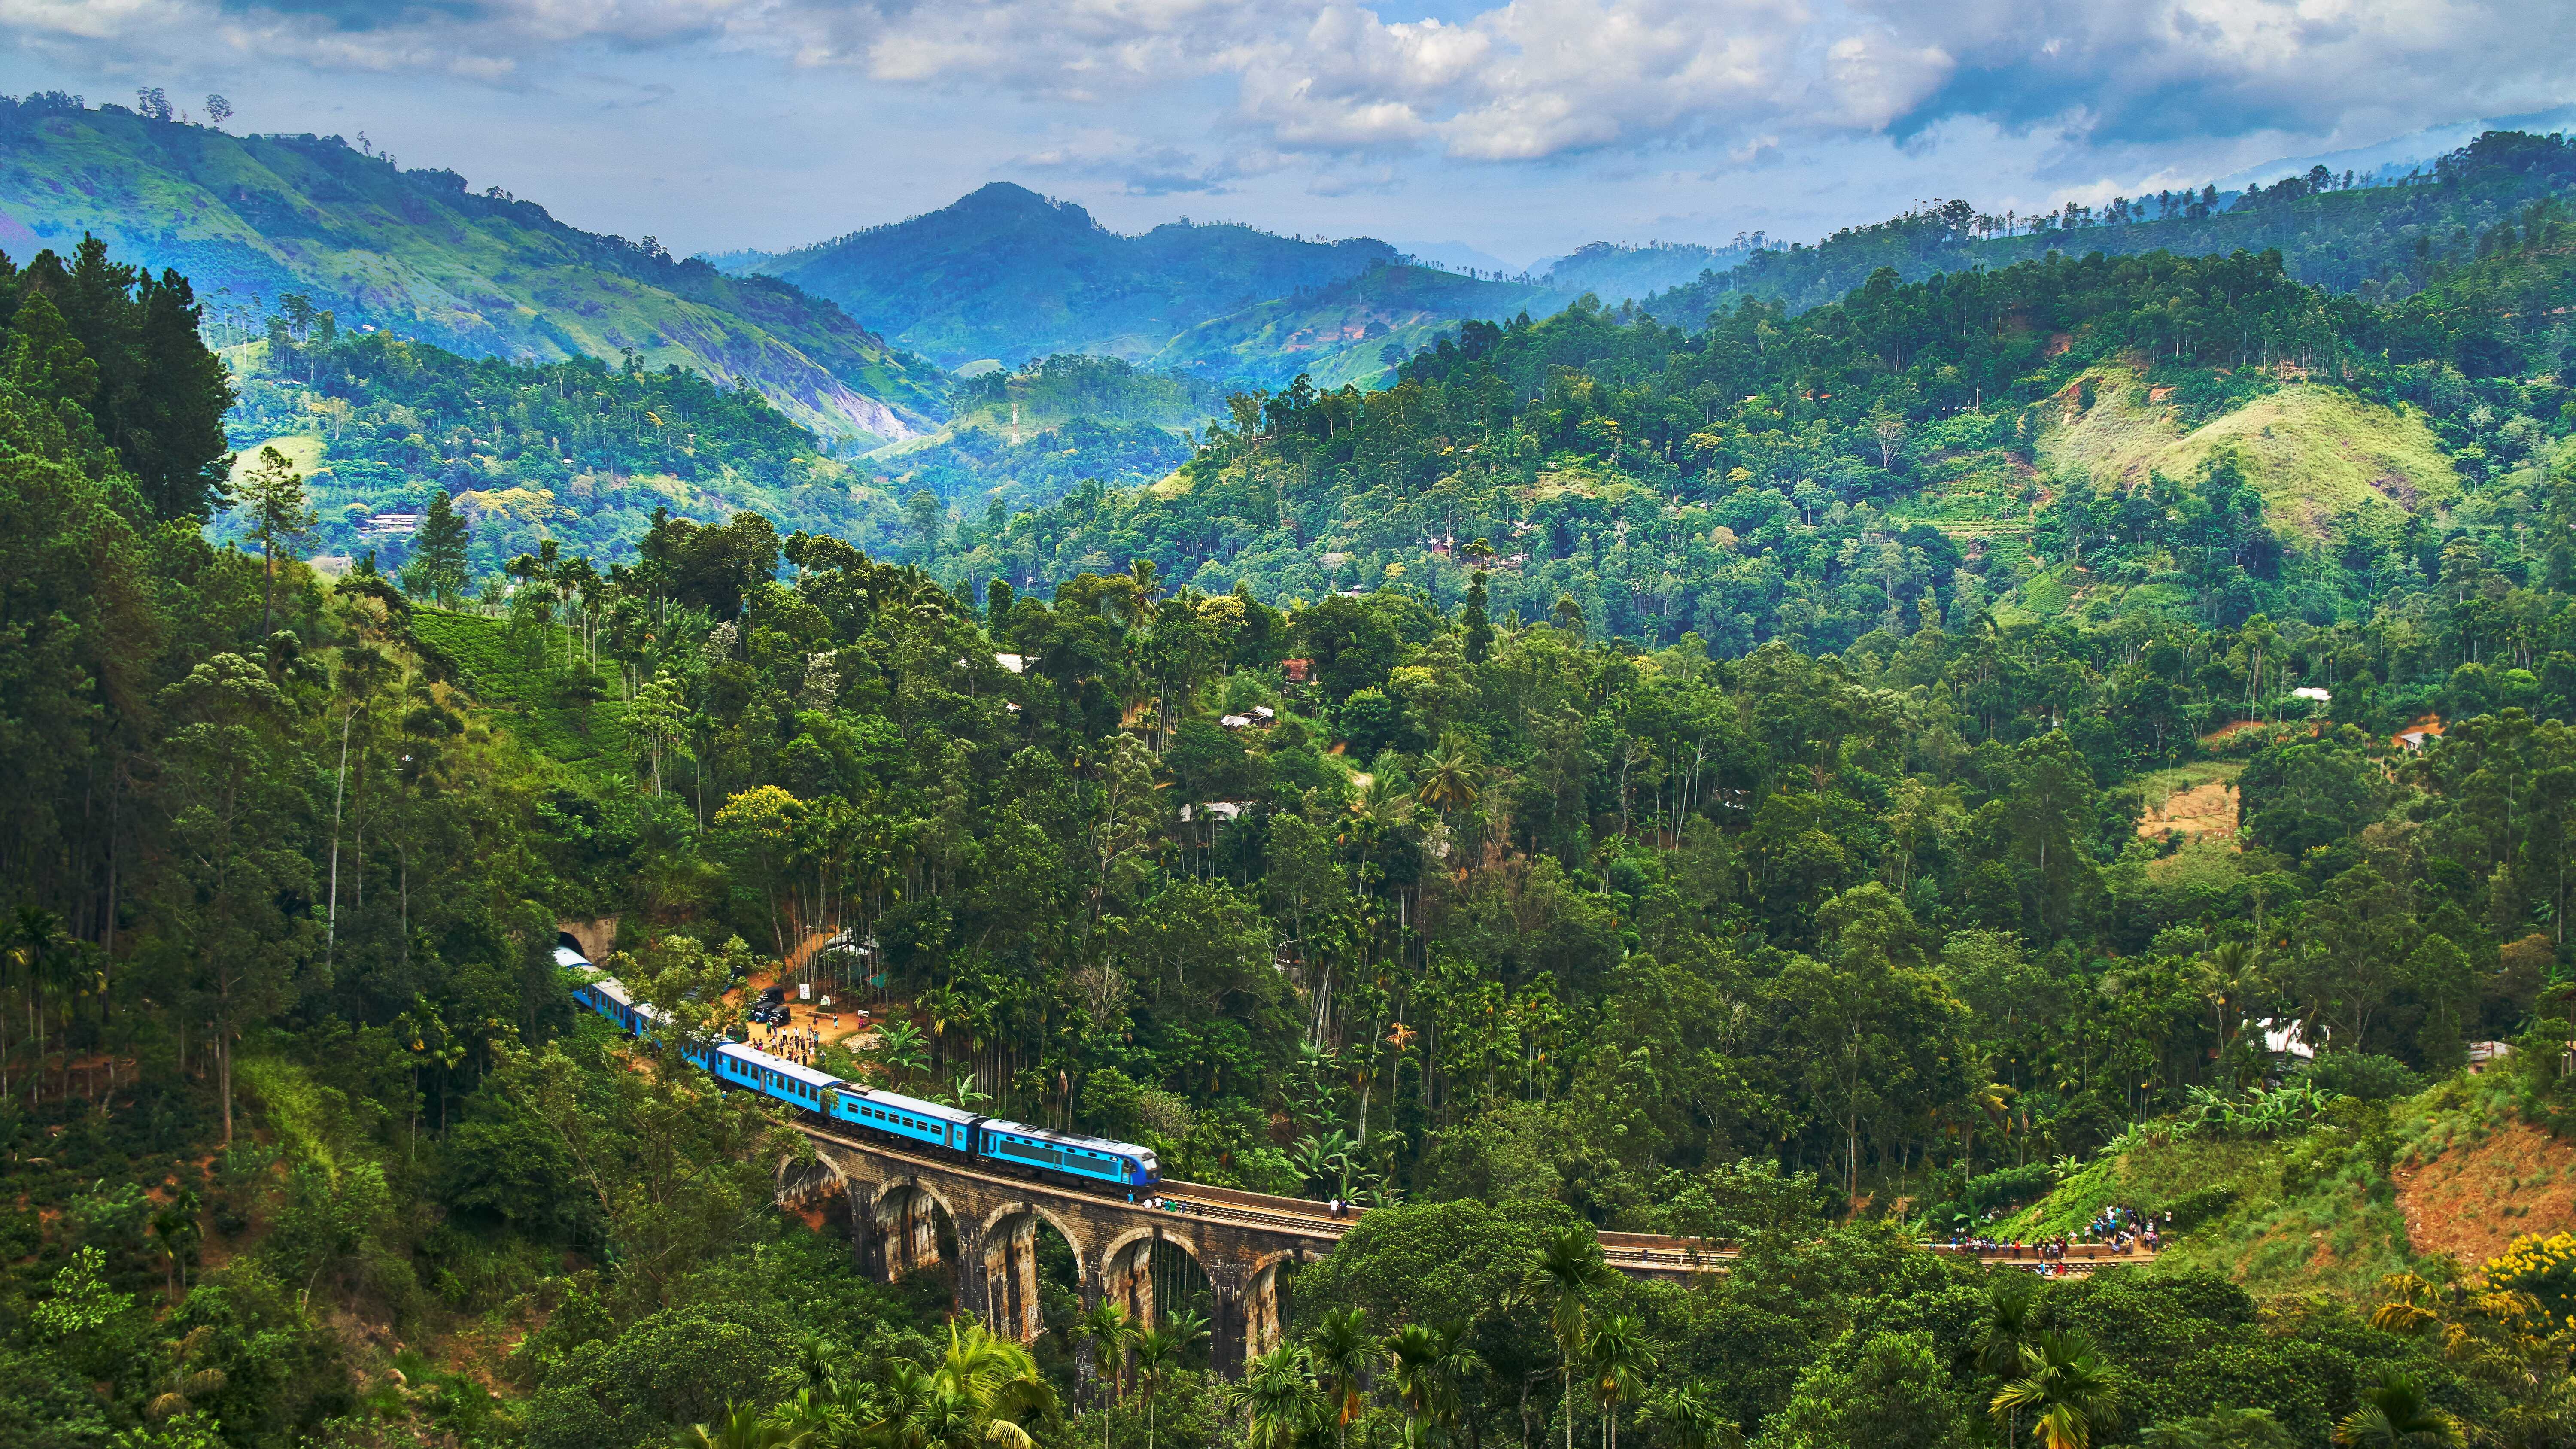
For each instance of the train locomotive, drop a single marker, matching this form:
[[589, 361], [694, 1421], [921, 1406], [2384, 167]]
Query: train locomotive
[[988, 1143]]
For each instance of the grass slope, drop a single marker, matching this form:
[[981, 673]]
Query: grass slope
[[2315, 453], [2316, 1212], [501, 671], [420, 254]]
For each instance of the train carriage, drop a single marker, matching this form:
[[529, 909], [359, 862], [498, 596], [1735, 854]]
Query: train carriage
[[1017, 1146]]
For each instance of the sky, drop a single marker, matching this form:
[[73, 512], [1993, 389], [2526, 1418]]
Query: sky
[[1520, 129]]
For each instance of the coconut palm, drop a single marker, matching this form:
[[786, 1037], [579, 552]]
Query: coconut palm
[[1449, 779], [1567, 1268], [1278, 1398], [1340, 1347], [2229, 977], [2071, 1389], [2396, 1415], [1619, 1362]]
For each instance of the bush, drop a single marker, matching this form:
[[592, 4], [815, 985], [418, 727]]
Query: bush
[[2011, 1184], [2195, 1208], [2366, 1075], [680, 1366]]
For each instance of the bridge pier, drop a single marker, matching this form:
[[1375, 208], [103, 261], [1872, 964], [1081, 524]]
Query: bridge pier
[[1011, 1278], [1225, 1334], [1261, 1326]]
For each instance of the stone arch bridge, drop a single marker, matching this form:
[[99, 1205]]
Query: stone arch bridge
[[1240, 1240]]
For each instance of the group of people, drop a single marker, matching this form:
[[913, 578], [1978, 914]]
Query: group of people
[[802, 1045], [2127, 1229], [2123, 1230], [1161, 1204]]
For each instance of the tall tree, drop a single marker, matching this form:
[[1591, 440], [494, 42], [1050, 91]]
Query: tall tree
[[280, 518], [438, 564], [1568, 1270]]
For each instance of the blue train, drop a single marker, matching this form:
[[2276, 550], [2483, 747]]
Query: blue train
[[986, 1142]]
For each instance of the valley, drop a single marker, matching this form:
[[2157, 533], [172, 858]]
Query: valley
[[1836, 764]]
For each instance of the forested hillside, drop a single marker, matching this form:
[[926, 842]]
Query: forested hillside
[[2154, 439], [584, 453], [580, 452], [419, 253], [1898, 769], [2339, 232]]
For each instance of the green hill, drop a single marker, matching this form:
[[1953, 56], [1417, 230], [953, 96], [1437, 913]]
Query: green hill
[[1352, 331], [1004, 275], [251, 219]]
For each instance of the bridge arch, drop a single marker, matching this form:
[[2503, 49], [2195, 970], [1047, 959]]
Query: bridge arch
[[1011, 1265]]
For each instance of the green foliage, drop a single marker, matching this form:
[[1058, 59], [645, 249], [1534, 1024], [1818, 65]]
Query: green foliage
[[1896, 1393], [676, 1367]]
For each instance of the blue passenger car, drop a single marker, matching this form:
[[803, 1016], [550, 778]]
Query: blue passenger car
[[909, 1120], [1070, 1153]]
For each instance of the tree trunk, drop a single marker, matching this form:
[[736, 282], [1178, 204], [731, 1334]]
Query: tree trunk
[[339, 792]]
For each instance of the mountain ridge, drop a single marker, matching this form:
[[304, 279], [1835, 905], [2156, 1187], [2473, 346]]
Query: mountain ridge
[[252, 218], [1003, 274]]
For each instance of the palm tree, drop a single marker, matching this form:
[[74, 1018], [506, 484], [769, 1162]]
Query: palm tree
[[1689, 1419], [1449, 779], [1157, 1351], [1104, 1326], [2397, 1414], [818, 1360], [741, 1428], [982, 1394], [2228, 980], [1278, 1398], [1619, 1362], [1427, 1366], [176, 1230], [1567, 1268], [1339, 1347], [37, 948], [2007, 1321], [2073, 1388]]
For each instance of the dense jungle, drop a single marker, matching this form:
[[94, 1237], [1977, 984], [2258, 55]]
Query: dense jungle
[[2013, 754]]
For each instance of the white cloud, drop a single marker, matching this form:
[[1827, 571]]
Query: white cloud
[[1520, 81]]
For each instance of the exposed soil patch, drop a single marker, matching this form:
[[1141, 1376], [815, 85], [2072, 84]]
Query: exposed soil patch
[[2476, 1198], [2203, 812]]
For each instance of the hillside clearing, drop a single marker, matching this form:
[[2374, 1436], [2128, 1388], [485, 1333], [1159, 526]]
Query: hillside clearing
[[2314, 453]]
